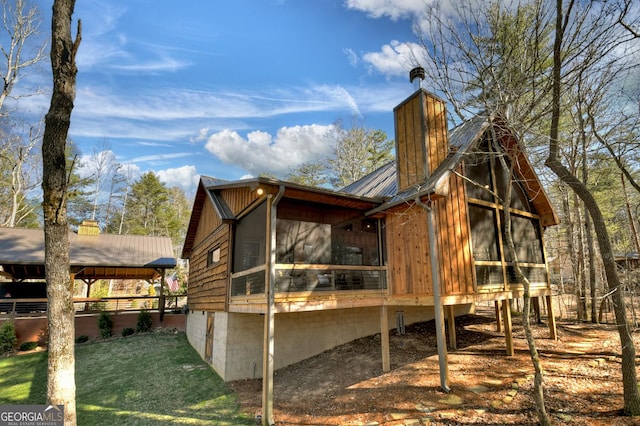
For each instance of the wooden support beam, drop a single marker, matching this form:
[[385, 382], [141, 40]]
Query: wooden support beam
[[451, 322], [553, 332], [506, 313], [496, 305], [384, 339]]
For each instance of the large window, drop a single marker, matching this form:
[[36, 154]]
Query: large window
[[486, 187]]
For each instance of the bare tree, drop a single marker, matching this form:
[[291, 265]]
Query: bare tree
[[18, 177], [594, 36], [61, 388], [21, 23]]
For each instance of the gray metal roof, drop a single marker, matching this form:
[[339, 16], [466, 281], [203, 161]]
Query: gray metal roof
[[21, 248], [379, 183]]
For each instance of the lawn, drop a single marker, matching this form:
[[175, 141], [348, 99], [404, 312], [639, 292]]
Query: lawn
[[145, 379]]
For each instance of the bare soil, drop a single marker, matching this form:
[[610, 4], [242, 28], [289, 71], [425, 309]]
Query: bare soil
[[346, 385]]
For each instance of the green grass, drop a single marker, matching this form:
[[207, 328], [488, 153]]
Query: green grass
[[145, 379]]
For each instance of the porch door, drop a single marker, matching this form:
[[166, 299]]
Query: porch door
[[208, 347]]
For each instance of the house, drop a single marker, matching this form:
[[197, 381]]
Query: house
[[280, 272]]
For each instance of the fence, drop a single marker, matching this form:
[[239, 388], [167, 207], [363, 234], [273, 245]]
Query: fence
[[38, 307]]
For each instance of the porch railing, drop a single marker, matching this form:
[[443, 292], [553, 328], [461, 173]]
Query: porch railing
[[292, 278], [33, 307]]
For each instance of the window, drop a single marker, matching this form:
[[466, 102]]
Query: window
[[213, 256]]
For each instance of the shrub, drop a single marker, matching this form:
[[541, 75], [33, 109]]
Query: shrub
[[8, 338], [82, 339], [128, 331], [144, 322], [105, 324], [28, 346]]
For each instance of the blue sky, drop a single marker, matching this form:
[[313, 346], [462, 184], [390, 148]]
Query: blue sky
[[230, 89]]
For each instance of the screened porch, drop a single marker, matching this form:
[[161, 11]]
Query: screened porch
[[318, 248]]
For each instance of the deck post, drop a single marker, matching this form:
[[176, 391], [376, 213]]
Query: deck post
[[384, 338], [506, 313], [451, 322], [496, 306], [553, 331]]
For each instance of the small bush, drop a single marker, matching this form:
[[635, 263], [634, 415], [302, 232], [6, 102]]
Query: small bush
[[28, 346], [144, 322], [8, 338], [105, 324], [127, 331], [82, 339]]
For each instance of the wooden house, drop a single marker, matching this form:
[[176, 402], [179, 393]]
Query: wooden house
[[280, 272]]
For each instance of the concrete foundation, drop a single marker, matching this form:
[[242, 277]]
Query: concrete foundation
[[238, 338]]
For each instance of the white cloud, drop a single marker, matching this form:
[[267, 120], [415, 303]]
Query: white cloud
[[185, 177], [394, 59], [352, 56], [260, 152], [394, 9], [160, 157]]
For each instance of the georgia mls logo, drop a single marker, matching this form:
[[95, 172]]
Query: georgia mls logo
[[31, 415]]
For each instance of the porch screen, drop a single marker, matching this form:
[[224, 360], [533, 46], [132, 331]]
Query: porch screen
[[250, 238]]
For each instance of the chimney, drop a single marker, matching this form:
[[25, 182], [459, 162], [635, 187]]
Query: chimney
[[89, 227], [421, 134]]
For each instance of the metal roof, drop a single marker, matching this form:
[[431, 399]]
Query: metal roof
[[91, 256]]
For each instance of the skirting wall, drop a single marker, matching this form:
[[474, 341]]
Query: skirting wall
[[238, 338]]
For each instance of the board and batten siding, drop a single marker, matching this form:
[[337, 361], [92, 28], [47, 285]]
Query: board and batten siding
[[454, 243], [408, 251], [421, 138]]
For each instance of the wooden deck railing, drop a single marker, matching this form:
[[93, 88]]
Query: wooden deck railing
[[38, 307]]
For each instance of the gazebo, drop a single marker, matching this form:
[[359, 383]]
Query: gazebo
[[93, 255]]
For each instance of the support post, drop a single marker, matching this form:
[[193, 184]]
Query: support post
[[553, 331], [384, 339], [268, 345], [437, 301], [451, 322], [161, 296], [506, 313], [496, 306]]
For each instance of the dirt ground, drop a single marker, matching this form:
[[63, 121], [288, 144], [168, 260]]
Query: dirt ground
[[346, 385]]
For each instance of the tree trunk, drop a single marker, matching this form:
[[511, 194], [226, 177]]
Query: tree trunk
[[592, 267], [629, 378], [61, 389], [538, 383], [581, 257]]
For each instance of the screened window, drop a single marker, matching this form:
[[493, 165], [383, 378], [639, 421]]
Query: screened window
[[483, 233], [249, 241], [527, 240]]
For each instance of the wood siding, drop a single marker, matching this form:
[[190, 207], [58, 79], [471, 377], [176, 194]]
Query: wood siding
[[208, 285], [421, 138], [238, 199], [408, 252], [454, 243]]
